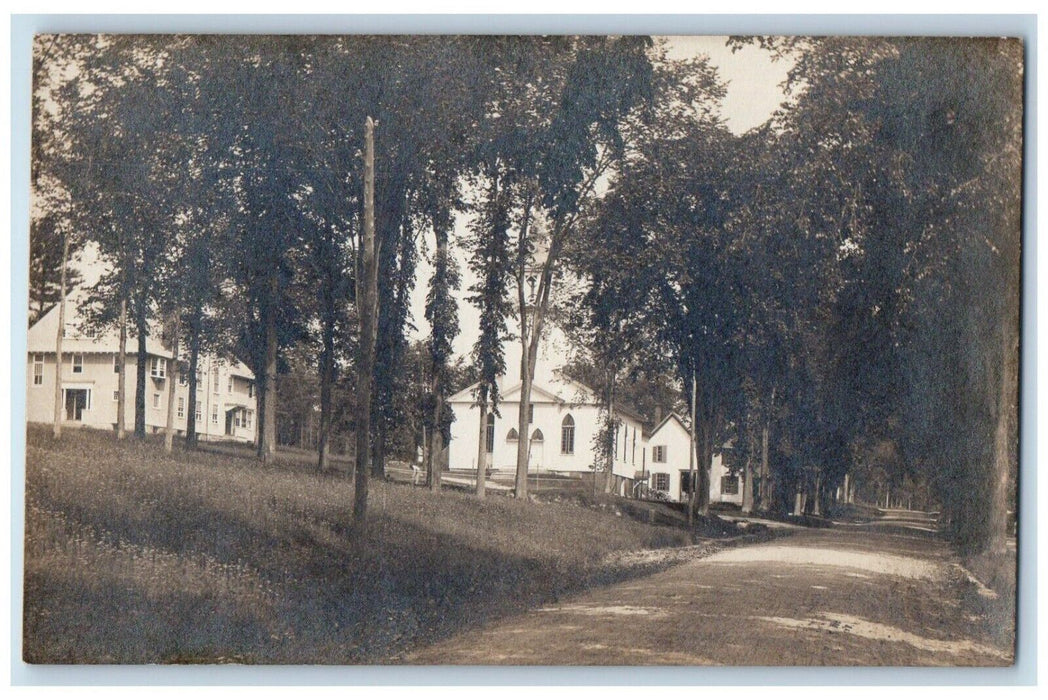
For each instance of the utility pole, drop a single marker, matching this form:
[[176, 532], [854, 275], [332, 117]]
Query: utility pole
[[368, 296], [57, 430]]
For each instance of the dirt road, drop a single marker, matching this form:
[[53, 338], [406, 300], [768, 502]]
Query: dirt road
[[883, 594]]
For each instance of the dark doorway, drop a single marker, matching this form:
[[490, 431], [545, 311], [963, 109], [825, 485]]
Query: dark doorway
[[75, 403]]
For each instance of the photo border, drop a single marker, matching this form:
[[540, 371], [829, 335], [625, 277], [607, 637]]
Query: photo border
[[23, 27]]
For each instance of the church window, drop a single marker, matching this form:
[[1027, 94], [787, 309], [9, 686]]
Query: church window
[[567, 435]]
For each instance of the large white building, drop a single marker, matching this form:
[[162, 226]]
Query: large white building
[[226, 400], [564, 418]]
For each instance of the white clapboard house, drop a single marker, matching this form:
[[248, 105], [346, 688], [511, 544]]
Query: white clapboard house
[[669, 466], [226, 399]]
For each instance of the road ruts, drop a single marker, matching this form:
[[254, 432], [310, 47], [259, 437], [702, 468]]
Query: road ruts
[[849, 596]]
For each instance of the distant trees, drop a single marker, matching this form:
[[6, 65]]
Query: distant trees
[[867, 205]]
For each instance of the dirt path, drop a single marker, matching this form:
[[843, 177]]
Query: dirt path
[[842, 596]]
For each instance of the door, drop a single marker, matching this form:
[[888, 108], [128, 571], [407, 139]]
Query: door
[[75, 403], [685, 485], [229, 422], [535, 455]]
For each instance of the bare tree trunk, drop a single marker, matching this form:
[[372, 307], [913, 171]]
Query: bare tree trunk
[[436, 449], [436, 439], [764, 494], [705, 464], [527, 366], [482, 449], [524, 443], [692, 480], [268, 442], [194, 364], [367, 294], [57, 428], [817, 497], [142, 361], [747, 486], [169, 433], [378, 451], [609, 477], [121, 360], [327, 357]]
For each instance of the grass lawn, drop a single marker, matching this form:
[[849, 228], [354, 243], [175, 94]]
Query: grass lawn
[[134, 556]]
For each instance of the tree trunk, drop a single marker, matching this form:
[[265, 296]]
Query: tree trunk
[[367, 294], [482, 449], [436, 439], [327, 371], [705, 464], [436, 448], [121, 360], [268, 442], [817, 497], [263, 398], [693, 496], [524, 442], [169, 433], [140, 371], [378, 450], [1006, 403], [747, 478], [609, 477], [194, 364], [764, 492], [57, 428]]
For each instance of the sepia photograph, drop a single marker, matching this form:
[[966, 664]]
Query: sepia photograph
[[523, 350]]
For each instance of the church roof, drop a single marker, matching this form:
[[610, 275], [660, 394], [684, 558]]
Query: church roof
[[561, 390]]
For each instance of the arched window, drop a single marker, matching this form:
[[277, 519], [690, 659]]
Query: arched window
[[512, 435], [567, 435], [489, 438], [537, 436]]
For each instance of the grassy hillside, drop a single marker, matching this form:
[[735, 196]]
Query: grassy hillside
[[135, 556]]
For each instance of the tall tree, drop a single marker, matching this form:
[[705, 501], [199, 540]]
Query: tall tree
[[442, 315], [597, 83], [491, 263], [367, 294]]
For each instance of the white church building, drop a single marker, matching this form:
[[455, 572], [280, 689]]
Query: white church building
[[563, 420]]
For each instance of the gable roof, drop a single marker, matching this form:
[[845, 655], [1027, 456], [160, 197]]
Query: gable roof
[[507, 394], [43, 333], [672, 415], [583, 395]]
